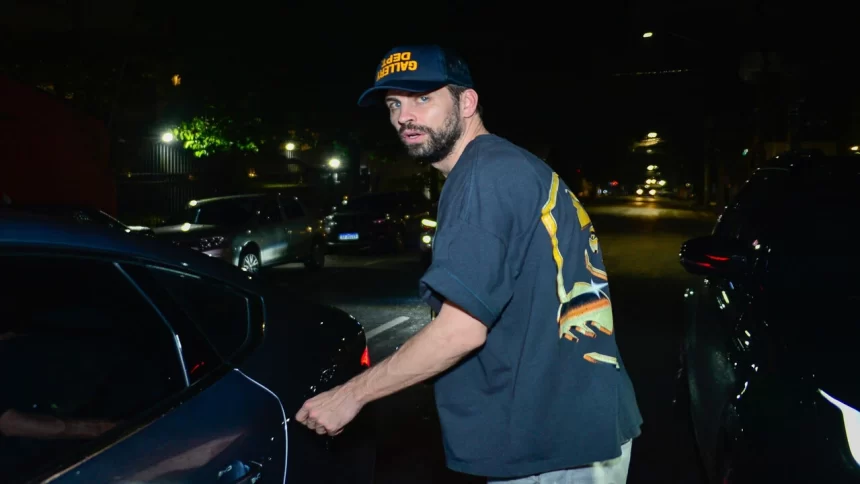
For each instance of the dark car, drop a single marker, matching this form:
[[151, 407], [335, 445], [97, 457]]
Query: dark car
[[249, 231], [769, 356], [85, 215], [378, 221], [126, 360]]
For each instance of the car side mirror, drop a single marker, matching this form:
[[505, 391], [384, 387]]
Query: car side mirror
[[715, 256]]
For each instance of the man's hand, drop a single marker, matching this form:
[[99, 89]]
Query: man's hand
[[329, 412]]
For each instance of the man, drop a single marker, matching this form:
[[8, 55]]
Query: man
[[534, 387]]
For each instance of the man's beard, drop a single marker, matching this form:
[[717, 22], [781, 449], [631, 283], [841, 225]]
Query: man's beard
[[439, 143]]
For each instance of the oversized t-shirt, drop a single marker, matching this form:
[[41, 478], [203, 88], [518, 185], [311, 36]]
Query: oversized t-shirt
[[548, 390]]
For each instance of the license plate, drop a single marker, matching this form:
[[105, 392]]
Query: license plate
[[352, 236]]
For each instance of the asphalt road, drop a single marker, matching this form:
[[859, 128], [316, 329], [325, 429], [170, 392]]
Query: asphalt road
[[640, 240]]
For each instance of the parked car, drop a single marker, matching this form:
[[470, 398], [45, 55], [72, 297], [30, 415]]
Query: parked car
[[249, 231], [83, 214], [135, 361], [769, 356], [378, 221]]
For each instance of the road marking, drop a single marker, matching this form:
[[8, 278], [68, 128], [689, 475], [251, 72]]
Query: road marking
[[385, 327], [374, 262]]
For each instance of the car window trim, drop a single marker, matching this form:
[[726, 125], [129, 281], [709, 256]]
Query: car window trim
[[228, 358], [255, 311], [177, 344], [93, 448]]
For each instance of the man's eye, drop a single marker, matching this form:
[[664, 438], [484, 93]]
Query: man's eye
[[393, 105], [424, 99]]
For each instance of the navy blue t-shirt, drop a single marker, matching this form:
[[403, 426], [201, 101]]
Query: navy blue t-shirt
[[516, 250]]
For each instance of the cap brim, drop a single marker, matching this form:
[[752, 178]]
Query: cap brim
[[374, 94]]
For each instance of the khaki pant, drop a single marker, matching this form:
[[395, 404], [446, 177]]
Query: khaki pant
[[612, 471]]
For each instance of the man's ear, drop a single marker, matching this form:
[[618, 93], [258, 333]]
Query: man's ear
[[469, 103]]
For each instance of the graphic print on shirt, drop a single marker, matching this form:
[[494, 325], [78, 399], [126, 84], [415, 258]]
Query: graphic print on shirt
[[586, 307]]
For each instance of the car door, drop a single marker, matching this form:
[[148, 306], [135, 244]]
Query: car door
[[299, 227], [273, 232], [112, 384], [725, 312]]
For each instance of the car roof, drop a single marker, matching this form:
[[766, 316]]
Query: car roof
[[799, 162], [232, 197], [20, 230], [203, 201]]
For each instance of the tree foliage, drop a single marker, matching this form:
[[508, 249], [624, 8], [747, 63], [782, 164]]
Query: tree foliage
[[305, 139], [209, 134]]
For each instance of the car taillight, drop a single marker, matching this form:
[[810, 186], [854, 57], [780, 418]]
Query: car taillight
[[365, 358]]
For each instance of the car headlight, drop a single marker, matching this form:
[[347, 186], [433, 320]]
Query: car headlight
[[428, 223], [851, 421], [209, 243]]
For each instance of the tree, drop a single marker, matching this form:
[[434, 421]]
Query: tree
[[209, 134], [304, 139]]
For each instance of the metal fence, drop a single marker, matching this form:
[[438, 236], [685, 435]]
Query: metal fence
[[156, 179]]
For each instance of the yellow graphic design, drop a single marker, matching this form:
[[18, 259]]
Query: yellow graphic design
[[589, 305], [397, 62], [584, 219], [592, 241], [586, 307], [593, 270]]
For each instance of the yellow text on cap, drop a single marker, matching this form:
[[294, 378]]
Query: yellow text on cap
[[397, 62]]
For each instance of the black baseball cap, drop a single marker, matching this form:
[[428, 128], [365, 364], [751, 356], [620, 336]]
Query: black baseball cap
[[417, 68]]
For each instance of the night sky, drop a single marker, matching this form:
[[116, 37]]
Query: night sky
[[544, 70]]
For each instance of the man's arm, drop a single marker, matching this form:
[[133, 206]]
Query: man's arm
[[437, 347]]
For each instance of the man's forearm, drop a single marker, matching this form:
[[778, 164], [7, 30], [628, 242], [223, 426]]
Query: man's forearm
[[434, 349]]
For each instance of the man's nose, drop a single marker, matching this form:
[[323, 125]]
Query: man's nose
[[407, 116]]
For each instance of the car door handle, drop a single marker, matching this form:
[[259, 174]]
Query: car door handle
[[240, 473]]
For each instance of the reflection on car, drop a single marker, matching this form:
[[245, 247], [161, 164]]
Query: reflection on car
[[128, 360], [83, 214], [769, 354], [249, 231]]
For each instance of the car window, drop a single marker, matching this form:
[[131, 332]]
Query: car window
[[219, 313], [753, 211], [271, 212], [293, 209], [88, 351], [228, 212]]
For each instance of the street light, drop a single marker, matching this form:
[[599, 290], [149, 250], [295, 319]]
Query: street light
[[291, 146], [647, 35], [334, 163], [855, 148], [652, 135], [167, 137]]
